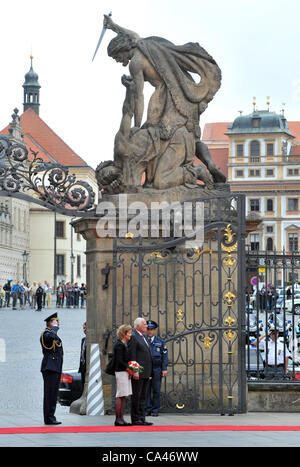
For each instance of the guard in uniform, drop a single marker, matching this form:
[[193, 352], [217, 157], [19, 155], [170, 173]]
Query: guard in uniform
[[159, 354], [51, 367]]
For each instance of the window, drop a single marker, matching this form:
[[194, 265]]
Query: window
[[239, 173], [60, 265], [269, 244], [239, 150], [254, 205], [293, 204], [255, 122], [254, 173], [254, 148], [60, 229], [293, 241], [270, 172], [254, 242], [293, 172], [269, 205], [270, 228], [270, 149], [78, 266], [293, 277]]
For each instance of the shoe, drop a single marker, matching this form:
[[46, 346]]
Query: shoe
[[146, 423], [53, 423], [137, 423], [154, 414], [122, 424]]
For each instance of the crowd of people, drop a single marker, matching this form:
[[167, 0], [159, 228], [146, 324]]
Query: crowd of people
[[264, 299], [41, 295]]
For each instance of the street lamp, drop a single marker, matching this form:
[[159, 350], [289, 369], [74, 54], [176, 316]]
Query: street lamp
[[72, 258], [25, 260]]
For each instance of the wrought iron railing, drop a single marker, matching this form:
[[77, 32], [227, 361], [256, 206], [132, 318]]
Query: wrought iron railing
[[272, 311]]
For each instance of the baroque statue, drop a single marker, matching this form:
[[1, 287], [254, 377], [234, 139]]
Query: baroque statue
[[163, 148]]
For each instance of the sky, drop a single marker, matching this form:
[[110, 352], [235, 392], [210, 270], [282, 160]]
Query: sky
[[254, 42]]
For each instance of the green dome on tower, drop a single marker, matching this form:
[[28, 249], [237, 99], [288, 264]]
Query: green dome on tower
[[31, 90]]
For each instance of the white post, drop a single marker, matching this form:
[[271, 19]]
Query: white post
[[95, 401]]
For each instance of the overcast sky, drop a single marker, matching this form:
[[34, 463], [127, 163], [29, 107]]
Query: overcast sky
[[255, 43]]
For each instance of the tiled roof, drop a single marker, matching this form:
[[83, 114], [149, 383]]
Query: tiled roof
[[215, 131], [220, 158], [295, 129], [38, 136], [295, 150]]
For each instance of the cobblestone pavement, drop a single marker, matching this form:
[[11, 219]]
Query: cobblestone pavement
[[21, 383]]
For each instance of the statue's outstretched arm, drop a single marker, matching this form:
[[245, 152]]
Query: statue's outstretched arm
[[128, 106], [109, 24]]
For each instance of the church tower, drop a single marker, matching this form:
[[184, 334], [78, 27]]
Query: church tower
[[31, 90]]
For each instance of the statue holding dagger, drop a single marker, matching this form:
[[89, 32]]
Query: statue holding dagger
[[172, 116]]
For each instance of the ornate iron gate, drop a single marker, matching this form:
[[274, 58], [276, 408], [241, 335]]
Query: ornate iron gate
[[197, 298]]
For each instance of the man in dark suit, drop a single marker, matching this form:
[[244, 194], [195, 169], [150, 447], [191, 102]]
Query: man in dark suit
[[51, 367], [82, 363], [139, 351]]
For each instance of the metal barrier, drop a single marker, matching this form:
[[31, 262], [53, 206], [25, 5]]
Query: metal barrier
[[272, 322]]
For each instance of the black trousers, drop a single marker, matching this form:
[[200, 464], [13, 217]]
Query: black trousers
[[51, 386], [138, 399], [39, 300]]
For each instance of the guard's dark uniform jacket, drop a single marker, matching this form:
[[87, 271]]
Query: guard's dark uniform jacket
[[159, 354], [51, 369], [52, 350]]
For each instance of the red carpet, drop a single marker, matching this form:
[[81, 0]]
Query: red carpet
[[170, 428]]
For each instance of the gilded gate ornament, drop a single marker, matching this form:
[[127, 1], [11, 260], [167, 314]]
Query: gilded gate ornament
[[229, 321], [179, 316], [199, 252], [157, 254], [229, 297], [230, 244], [230, 335], [207, 342]]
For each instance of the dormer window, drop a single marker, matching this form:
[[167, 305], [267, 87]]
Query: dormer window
[[255, 122]]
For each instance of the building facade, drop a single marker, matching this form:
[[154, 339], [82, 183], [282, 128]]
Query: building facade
[[37, 244], [264, 164]]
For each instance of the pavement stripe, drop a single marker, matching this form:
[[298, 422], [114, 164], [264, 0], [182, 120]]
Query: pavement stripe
[[165, 428]]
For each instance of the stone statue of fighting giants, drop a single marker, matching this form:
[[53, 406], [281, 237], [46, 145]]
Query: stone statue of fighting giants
[[163, 149]]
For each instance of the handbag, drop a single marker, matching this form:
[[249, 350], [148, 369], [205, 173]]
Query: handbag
[[110, 367]]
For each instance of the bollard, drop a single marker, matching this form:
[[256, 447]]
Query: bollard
[[95, 401]]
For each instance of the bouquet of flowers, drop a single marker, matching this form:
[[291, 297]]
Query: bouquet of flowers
[[134, 367]]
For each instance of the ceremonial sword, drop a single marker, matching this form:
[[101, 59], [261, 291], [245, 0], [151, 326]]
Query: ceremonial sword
[[100, 39]]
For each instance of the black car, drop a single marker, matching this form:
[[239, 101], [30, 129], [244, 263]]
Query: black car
[[254, 364], [70, 387]]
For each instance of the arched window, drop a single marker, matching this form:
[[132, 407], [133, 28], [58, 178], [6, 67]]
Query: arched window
[[269, 244], [254, 148]]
